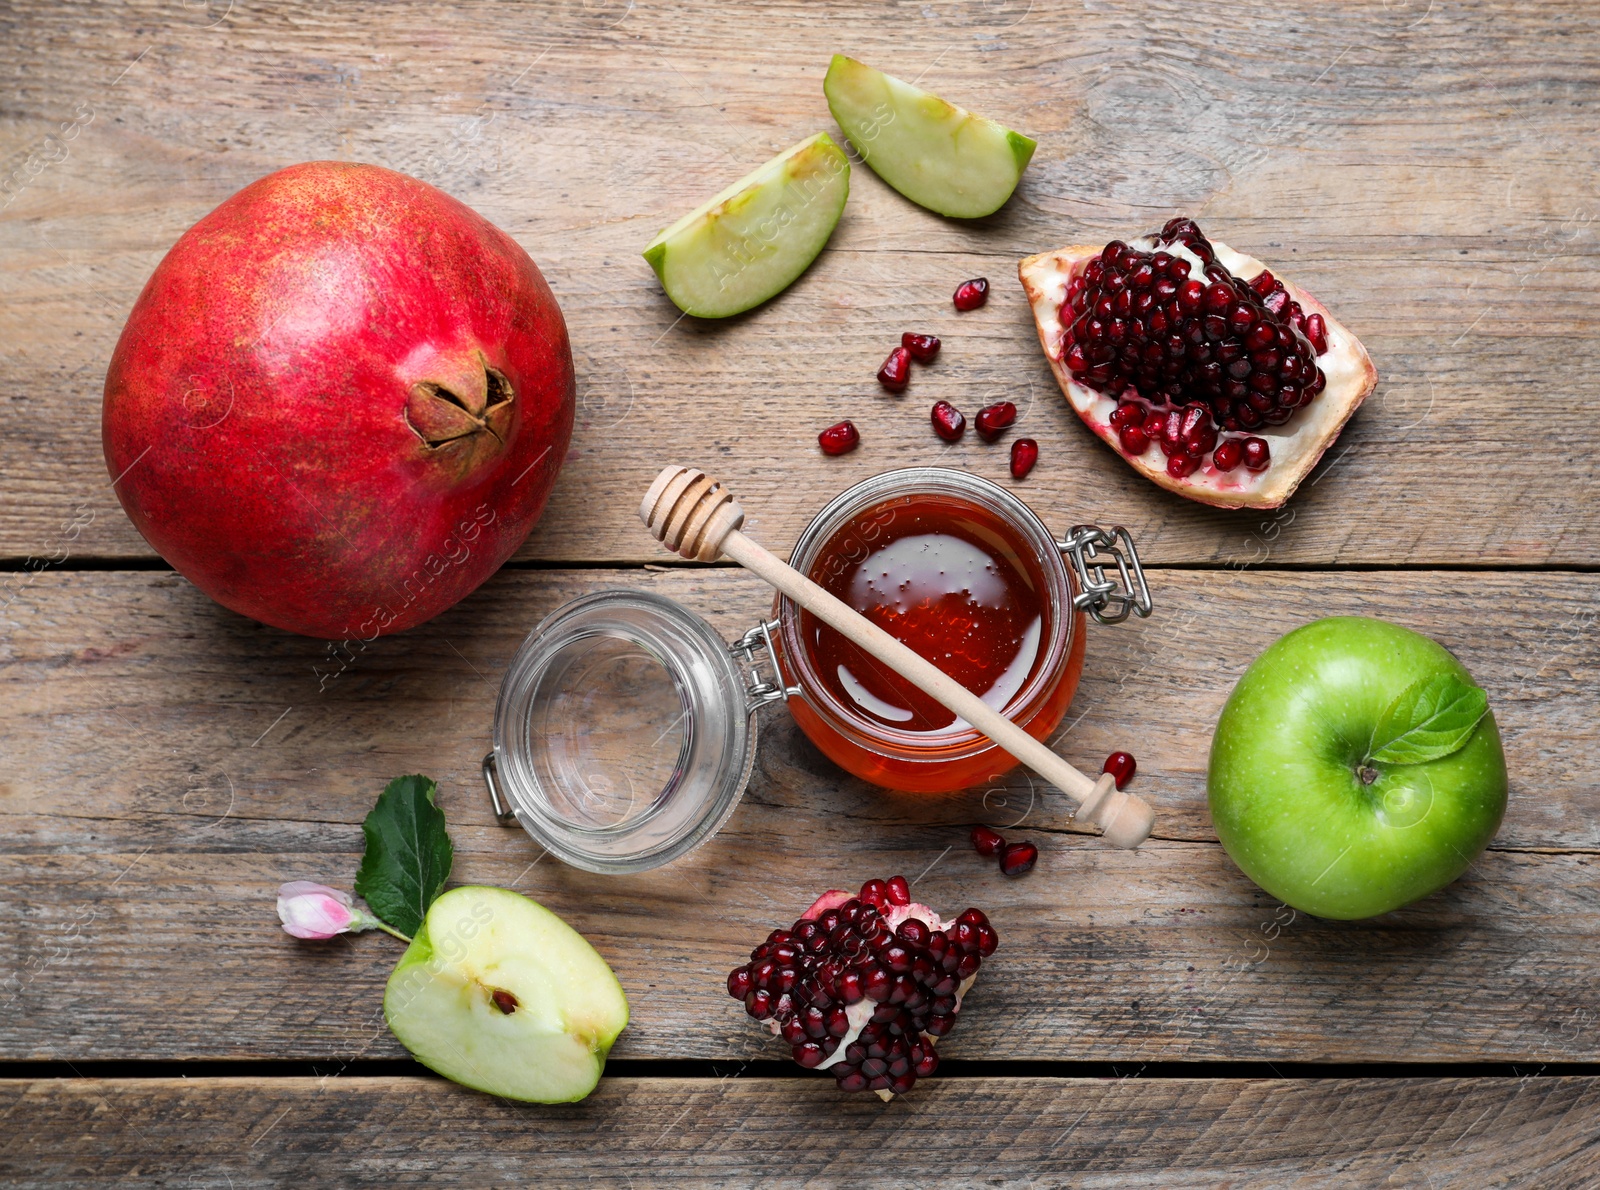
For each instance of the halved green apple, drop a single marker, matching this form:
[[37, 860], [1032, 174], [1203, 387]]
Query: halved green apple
[[933, 152], [751, 241], [501, 995]]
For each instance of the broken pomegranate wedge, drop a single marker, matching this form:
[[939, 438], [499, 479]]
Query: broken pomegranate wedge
[[1190, 359], [863, 985]]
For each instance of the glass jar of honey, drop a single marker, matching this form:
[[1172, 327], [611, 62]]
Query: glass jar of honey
[[626, 728]]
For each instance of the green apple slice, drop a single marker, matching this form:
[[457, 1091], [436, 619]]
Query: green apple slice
[[501, 995], [751, 241], [935, 153]]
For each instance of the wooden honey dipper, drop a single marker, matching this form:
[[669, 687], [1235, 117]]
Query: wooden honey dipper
[[695, 516]]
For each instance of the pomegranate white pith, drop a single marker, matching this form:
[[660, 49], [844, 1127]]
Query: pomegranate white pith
[[863, 985], [1295, 446]]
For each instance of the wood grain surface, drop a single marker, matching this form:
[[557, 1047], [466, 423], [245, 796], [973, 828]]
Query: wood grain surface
[[171, 763], [1424, 167], [1088, 1133]]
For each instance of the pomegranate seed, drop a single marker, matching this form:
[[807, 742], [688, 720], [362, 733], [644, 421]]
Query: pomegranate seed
[[994, 420], [1121, 766], [1024, 454], [1134, 442], [1256, 455], [896, 371], [1228, 455], [840, 439], [984, 842], [1317, 332], [1124, 415], [948, 421], [899, 891], [971, 294], [1180, 465], [1018, 858], [923, 348]]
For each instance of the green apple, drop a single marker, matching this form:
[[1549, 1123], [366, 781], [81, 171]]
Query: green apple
[[751, 241], [499, 994], [938, 155], [1322, 795]]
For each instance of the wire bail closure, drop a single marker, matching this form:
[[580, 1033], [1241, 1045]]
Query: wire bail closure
[[1090, 550]]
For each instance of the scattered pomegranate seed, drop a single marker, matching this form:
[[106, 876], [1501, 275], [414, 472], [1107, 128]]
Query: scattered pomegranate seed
[[840, 439], [1024, 454], [1256, 455], [871, 965], [971, 294], [1121, 766], [896, 371], [1018, 858], [948, 421], [993, 421], [984, 842], [1230, 354], [923, 348]]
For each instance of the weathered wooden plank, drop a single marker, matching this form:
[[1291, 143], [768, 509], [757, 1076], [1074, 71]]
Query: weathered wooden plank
[[244, 1132], [1423, 168], [167, 764], [120, 691]]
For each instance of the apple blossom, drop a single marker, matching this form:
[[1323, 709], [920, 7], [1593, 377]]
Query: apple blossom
[[310, 910]]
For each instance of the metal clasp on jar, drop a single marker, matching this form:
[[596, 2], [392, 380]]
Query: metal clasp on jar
[[762, 691], [1089, 550]]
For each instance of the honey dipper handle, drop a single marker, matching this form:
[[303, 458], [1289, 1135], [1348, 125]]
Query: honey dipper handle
[[1124, 819]]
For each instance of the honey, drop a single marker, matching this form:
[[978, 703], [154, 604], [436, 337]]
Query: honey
[[947, 579], [966, 576]]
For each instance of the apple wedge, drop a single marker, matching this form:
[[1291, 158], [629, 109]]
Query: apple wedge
[[750, 242], [499, 994], [938, 155]]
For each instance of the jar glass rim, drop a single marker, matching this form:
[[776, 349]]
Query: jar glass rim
[[933, 481], [718, 732]]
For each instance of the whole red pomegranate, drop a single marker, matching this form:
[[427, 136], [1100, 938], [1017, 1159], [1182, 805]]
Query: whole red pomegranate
[[340, 402]]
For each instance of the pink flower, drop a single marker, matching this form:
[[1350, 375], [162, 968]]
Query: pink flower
[[310, 910]]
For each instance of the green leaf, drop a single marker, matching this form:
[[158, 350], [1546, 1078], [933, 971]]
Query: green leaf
[[408, 854], [1431, 719]]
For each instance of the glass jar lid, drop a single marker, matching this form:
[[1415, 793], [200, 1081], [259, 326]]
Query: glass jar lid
[[623, 734]]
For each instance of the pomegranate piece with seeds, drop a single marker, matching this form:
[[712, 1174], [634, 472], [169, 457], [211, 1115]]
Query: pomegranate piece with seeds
[[840, 439], [948, 421], [923, 348], [995, 419], [1177, 341], [862, 986], [1024, 454], [969, 295], [896, 371]]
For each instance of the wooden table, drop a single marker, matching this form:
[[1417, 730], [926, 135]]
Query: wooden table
[[1427, 167]]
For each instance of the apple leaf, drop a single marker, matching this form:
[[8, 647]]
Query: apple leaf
[[408, 853], [1431, 719]]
